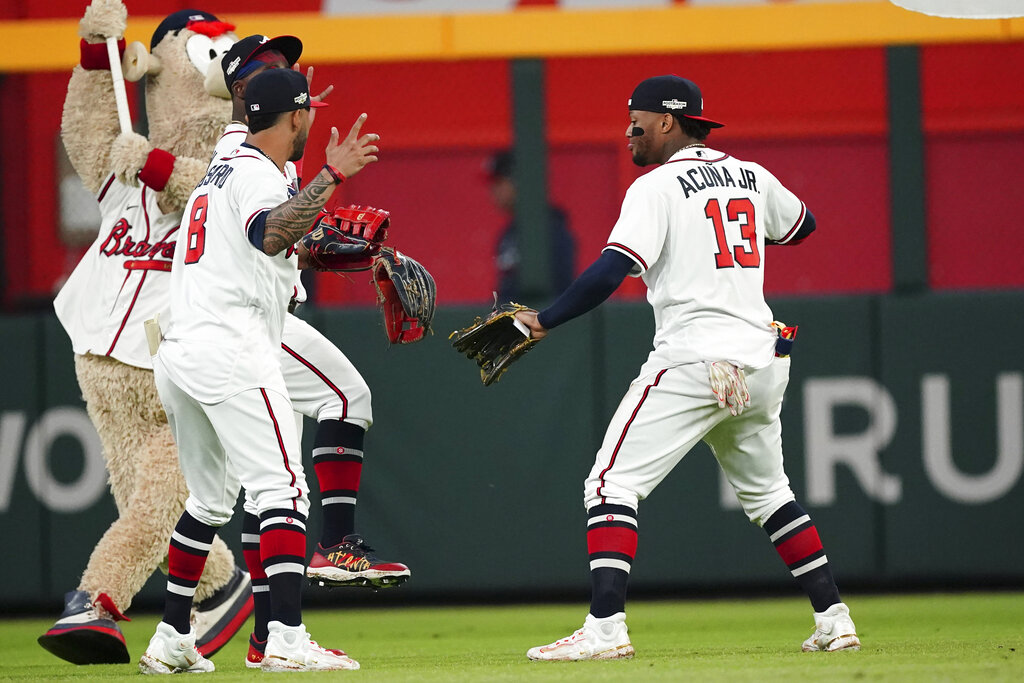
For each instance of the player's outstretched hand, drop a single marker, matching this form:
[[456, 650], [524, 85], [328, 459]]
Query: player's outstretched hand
[[355, 151], [309, 83], [529, 318]]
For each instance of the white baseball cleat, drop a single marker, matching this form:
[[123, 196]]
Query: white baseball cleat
[[605, 638], [170, 652], [290, 649], [833, 630]]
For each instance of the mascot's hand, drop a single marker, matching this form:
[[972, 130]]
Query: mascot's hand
[[127, 157], [103, 19]]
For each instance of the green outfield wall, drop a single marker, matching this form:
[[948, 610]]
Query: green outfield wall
[[903, 429]]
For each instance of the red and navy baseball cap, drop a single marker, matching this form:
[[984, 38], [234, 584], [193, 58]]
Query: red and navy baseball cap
[[180, 20], [243, 55], [671, 94], [278, 90]]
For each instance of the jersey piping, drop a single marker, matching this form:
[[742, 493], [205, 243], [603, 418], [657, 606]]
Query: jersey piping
[[629, 252], [284, 451], [312, 368], [799, 221], [625, 429]]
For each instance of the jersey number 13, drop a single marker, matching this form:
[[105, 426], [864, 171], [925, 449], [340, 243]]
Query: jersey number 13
[[736, 211]]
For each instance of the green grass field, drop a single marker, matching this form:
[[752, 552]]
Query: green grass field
[[935, 637]]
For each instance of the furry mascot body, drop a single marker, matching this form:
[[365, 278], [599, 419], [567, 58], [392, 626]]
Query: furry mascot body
[[120, 283]]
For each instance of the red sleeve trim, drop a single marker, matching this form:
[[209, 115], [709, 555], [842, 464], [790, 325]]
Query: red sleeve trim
[[248, 221], [157, 170], [635, 256], [94, 56], [799, 221]]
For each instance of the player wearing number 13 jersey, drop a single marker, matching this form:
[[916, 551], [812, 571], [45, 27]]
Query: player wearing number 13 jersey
[[695, 229]]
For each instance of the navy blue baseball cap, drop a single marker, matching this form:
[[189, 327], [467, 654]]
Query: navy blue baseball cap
[[670, 94], [278, 90], [176, 22], [242, 53], [499, 165]]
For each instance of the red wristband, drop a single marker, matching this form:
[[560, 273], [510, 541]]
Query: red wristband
[[337, 175], [157, 170], [95, 56]]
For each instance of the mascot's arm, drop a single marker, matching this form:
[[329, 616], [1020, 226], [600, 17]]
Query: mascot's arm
[[89, 124], [186, 175]]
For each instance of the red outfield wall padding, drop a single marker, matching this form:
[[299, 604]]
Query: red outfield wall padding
[[817, 119]]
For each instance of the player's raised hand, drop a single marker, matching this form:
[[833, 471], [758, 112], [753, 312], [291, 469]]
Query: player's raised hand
[[355, 151], [316, 98]]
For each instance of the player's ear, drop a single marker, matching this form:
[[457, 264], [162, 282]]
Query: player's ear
[[667, 121]]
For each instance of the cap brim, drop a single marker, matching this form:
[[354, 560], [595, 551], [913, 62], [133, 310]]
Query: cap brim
[[713, 124], [314, 104], [289, 46]]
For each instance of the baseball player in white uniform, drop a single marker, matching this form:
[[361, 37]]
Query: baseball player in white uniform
[[322, 384], [218, 367], [695, 229]]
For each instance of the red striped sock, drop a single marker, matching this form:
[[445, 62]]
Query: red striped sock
[[190, 545], [283, 555], [611, 544], [260, 585], [796, 540], [338, 463]]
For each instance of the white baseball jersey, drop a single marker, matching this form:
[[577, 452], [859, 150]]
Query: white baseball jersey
[[233, 136], [228, 299], [322, 383], [696, 229], [122, 280]]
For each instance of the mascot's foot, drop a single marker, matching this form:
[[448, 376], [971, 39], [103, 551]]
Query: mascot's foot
[[220, 616], [83, 636]]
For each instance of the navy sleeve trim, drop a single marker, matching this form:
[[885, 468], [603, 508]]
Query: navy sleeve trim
[[592, 287], [801, 231], [257, 228]]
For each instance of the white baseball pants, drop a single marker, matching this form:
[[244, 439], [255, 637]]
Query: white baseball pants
[[252, 434], [663, 415]]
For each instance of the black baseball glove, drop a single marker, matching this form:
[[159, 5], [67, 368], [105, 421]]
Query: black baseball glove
[[407, 295], [495, 342]]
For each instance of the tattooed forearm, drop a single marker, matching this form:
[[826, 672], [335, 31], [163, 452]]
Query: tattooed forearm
[[293, 219]]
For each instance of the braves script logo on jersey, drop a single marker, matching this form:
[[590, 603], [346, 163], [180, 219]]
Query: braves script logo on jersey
[[120, 243]]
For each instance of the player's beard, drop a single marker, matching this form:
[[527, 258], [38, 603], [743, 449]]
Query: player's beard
[[640, 152], [298, 145]]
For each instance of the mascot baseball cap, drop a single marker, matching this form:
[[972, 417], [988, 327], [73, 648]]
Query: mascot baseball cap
[[177, 21], [242, 52], [278, 90], [670, 95]]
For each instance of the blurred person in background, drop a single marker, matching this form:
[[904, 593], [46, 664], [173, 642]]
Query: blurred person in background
[[499, 169]]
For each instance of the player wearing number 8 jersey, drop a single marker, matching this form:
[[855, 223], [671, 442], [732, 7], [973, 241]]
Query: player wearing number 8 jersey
[[695, 229], [218, 369]]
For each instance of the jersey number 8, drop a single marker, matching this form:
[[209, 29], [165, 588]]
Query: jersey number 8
[[196, 243]]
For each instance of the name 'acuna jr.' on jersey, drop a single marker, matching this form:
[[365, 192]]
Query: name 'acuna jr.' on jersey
[[704, 266], [228, 299]]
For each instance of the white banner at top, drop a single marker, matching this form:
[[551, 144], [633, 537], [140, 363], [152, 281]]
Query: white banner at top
[[966, 9]]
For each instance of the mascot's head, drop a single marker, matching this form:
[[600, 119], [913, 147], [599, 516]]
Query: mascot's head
[[187, 104]]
